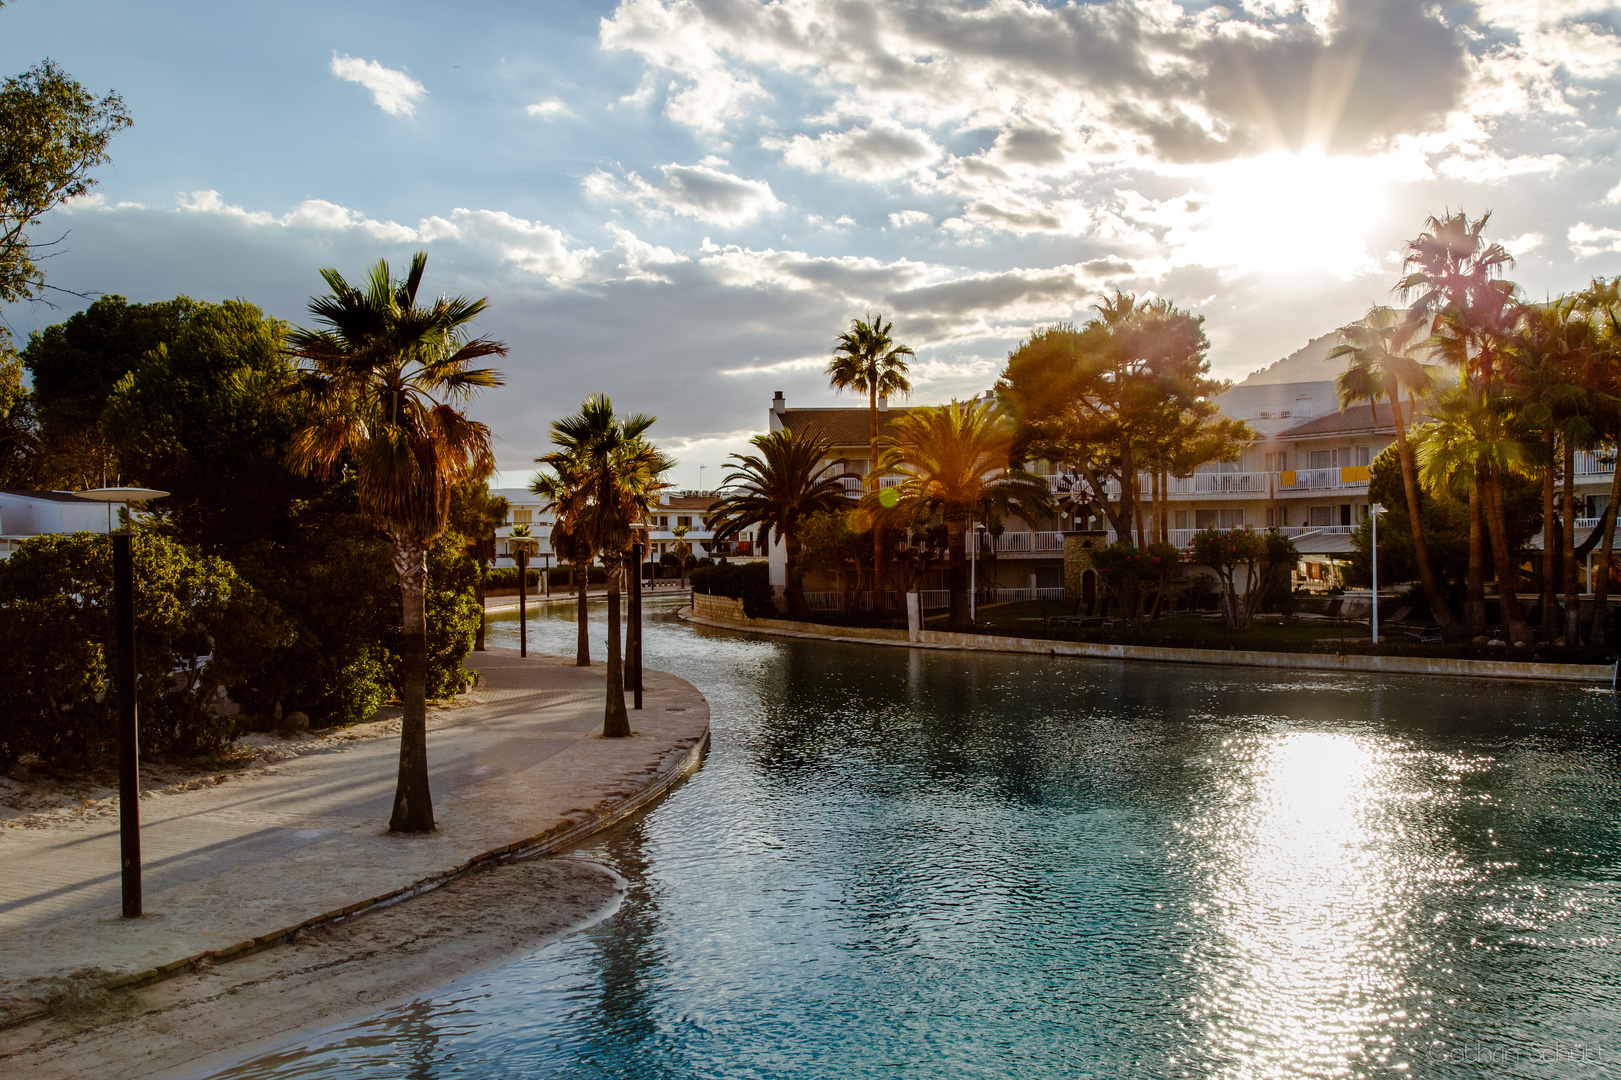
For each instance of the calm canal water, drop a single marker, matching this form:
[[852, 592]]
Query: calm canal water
[[902, 863]]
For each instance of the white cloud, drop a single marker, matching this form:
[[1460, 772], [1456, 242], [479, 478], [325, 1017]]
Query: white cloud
[[1523, 244], [1587, 240], [552, 109], [696, 191], [905, 219], [395, 92], [1613, 195], [880, 151]]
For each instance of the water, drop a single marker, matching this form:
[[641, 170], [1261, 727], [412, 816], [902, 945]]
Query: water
[[900, 863]]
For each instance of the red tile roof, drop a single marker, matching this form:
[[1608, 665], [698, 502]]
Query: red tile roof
[[1357, 420], [841, 427]]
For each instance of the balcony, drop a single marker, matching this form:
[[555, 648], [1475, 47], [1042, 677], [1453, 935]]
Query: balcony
[[1029, 543], [1352, 477]]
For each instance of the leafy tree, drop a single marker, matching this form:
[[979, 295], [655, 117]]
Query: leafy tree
[[208, 417], [1383, 363], [1242, 556], [777, 489], [373, 378], [19, 430], [476, 514], [1128, 391], [614, 476], [828, 541], [869, 361], [76, 365], [53, 132], [955, 460], [56, 631]]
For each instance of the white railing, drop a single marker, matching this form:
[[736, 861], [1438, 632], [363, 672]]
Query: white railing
[[1029, 543], [1218, 483], [1318, 480], [934, 599], [1014, 596], [1589, 463]]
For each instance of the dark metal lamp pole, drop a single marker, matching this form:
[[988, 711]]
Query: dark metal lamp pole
[[129, 743], [636, 620]]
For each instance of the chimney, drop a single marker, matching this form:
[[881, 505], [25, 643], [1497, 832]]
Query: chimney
[[883, 403], [779, 405]]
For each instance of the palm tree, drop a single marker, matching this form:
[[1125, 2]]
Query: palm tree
[[380, 376], [617, 475], [777, 489], [1459, 295], [557, 489], [1382, 364], [868, 361], [955, 460]]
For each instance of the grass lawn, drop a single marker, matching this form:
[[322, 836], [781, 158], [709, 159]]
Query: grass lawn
[[1270, 633]]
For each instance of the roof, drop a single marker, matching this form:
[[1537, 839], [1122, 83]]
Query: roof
[[1324, 544], [841, 427], [1357, 420], [686, 502], [48, 496]]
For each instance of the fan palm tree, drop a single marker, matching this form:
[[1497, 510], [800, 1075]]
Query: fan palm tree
[[1455, 281], [869, 361], [380, 377], [777, 489], [617, 477], [1382, 364], [955, 460], [557, 489]]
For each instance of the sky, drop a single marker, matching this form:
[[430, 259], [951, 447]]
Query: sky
[[683, 202]]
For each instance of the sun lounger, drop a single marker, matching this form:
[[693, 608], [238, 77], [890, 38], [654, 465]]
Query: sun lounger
[[1430, 635]]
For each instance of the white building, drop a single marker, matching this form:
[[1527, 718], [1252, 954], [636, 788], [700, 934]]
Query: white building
[[25, 514]]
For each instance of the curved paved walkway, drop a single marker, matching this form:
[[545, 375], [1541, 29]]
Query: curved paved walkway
[[516, 766]]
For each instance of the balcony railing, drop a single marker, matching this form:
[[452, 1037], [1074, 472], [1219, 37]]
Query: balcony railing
[[1014, 596], [1030, 543]]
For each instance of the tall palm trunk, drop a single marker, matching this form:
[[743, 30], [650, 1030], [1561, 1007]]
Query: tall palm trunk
[[1573, 599], [582, 639], [1600, 629], [413, 803], [1440, 611], [880, 598], [957, 568], [1474, 586], [633, 630], [1165, 506], [615, 719], [1507, 573], [1550, 604]]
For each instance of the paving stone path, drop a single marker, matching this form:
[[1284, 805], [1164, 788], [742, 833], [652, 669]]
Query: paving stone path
[[518, 764]]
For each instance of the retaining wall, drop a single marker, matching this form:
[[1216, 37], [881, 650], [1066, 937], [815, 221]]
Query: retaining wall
[[723, 611]]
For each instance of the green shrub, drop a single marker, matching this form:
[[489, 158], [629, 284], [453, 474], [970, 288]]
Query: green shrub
[[56, 635], [748, 582]]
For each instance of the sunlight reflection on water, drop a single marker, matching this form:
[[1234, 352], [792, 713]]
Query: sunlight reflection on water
[[907, 863]]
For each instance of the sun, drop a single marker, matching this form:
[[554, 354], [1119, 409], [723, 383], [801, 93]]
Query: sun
[[1287, 213]]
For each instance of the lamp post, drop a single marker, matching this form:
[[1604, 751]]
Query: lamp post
[[520, 551], [636, 626], [129, 732], [976, 530], [1373, 512]]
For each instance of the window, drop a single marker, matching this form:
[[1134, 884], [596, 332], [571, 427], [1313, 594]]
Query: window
[[683, 521], [1363, 455], [662, 521], [1323, 459], [1219, 519], [1277, 462], [522, 517], [1320, 517], [1345, 514], [1272, 518], [1182, 519]]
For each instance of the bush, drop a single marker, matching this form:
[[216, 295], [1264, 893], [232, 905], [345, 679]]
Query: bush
[[56, 633], [748, 582]]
